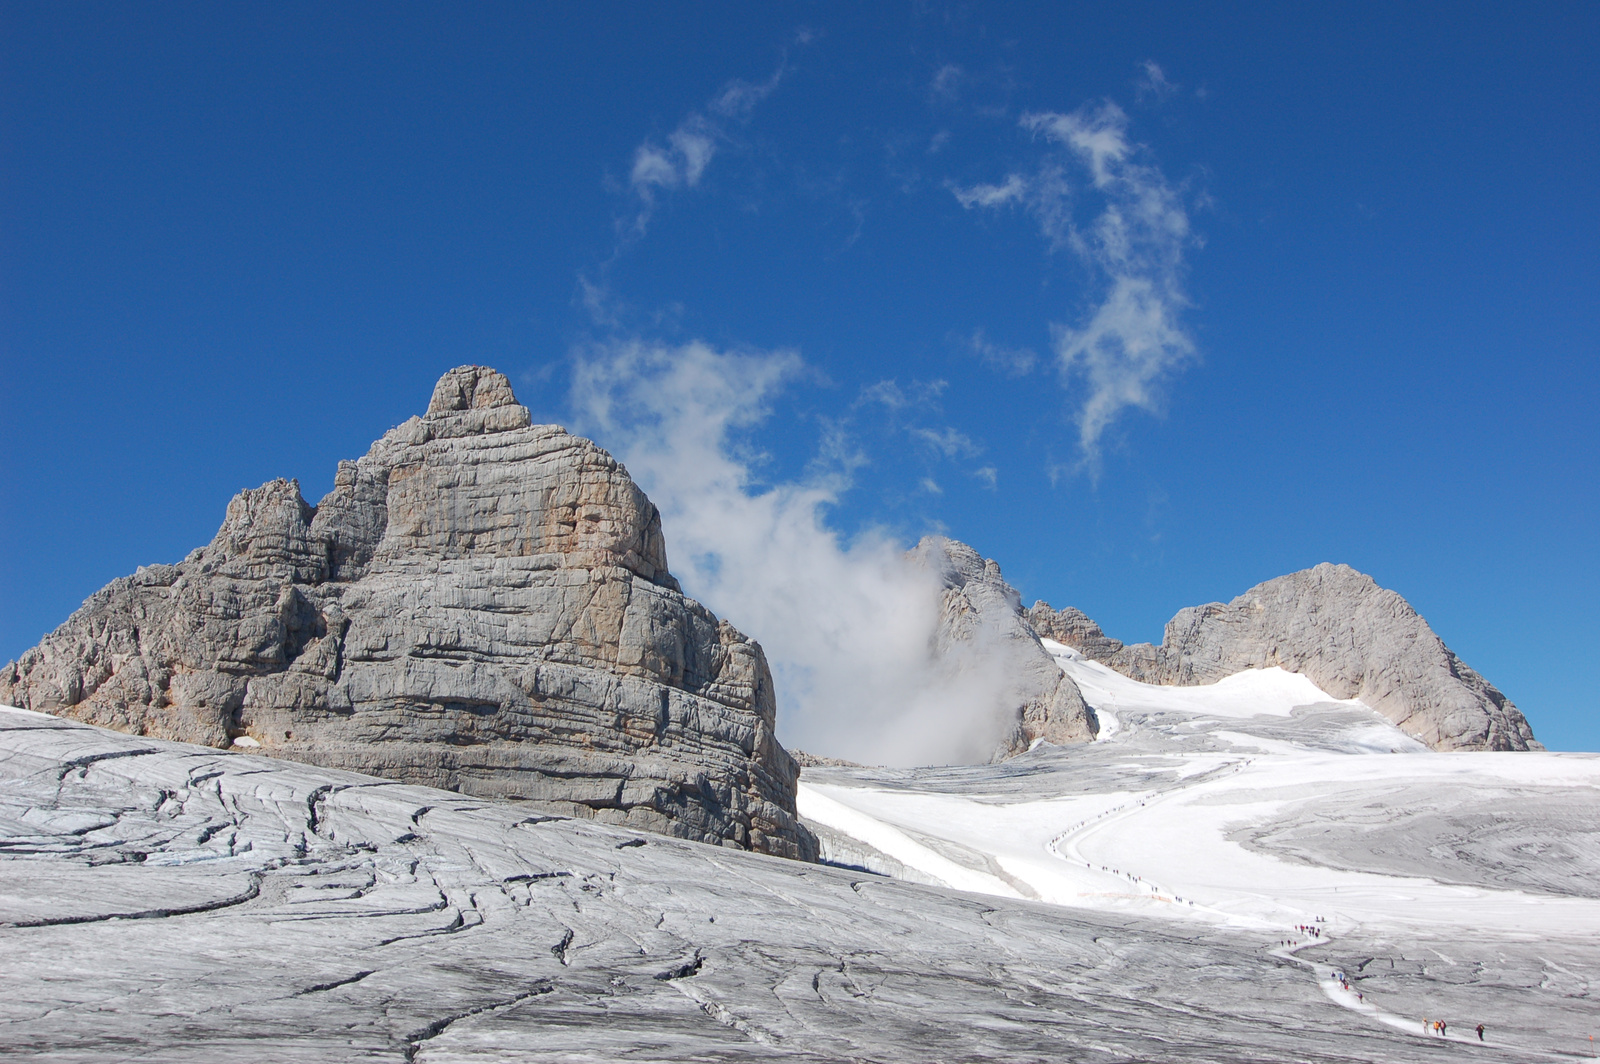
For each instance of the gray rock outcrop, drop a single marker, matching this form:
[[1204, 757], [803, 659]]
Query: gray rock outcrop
[[1073, 628], [1338, 628], [480, 604], [982, 622]]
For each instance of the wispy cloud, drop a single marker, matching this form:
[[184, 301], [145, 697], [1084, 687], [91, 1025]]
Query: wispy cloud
[[1122, 350], [680, 159], [848, 623], [946, 441], [1152, 82], [1013, 190], [890, 395], [946, 82], [1012, 361]]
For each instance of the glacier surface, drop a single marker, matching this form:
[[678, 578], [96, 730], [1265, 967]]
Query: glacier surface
[[1134, 899]]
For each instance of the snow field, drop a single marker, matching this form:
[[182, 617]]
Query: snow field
[[1178, 849]]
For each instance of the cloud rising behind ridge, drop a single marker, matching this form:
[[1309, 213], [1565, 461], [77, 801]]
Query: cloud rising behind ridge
[[848, 624]]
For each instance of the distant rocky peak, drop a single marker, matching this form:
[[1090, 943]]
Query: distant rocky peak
[[958, 565], [1336, 626], [267, 533], [1071, 627]]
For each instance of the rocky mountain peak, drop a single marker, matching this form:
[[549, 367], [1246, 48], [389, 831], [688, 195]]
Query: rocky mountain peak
[[480, 604]]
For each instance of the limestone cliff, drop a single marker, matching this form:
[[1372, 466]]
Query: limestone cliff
[[1337, 627], [480, 604]]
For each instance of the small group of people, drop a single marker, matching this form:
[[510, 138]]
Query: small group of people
[[1309, 929], [1344, 984], [1442, 1029]]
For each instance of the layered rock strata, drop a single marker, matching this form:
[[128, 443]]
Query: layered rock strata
[[480, 604], [982, 624], [1338, 628]]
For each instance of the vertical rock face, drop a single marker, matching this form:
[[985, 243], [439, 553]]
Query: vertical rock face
[[982, 621], [480, 604], [1341, 630]]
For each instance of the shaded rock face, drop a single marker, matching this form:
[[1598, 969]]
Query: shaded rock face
[[982, 621], [480, 604], [1338, 628]]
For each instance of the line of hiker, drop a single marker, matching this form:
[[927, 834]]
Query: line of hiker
[[1312, 929]]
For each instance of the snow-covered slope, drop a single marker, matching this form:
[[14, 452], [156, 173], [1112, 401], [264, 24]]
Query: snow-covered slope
[[1260, 804]]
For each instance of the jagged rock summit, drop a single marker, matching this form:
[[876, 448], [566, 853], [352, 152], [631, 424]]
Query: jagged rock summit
[[982, 622], [1338, 628], [480, 604]]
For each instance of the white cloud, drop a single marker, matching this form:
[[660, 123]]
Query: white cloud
[[989, 475], [848, 624], [653, 167], [598, 301], [884, 393], [1098, 137], [679, 163], [1123, 350], [1012, 190], [889, 394], [1045, 193], [695, 148]]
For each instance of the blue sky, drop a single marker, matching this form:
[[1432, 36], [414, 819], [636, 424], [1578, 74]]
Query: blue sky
[[1148, 302]]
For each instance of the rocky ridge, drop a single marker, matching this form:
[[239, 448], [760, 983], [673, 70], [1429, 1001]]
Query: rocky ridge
[[481, 604], [1338, 628]]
